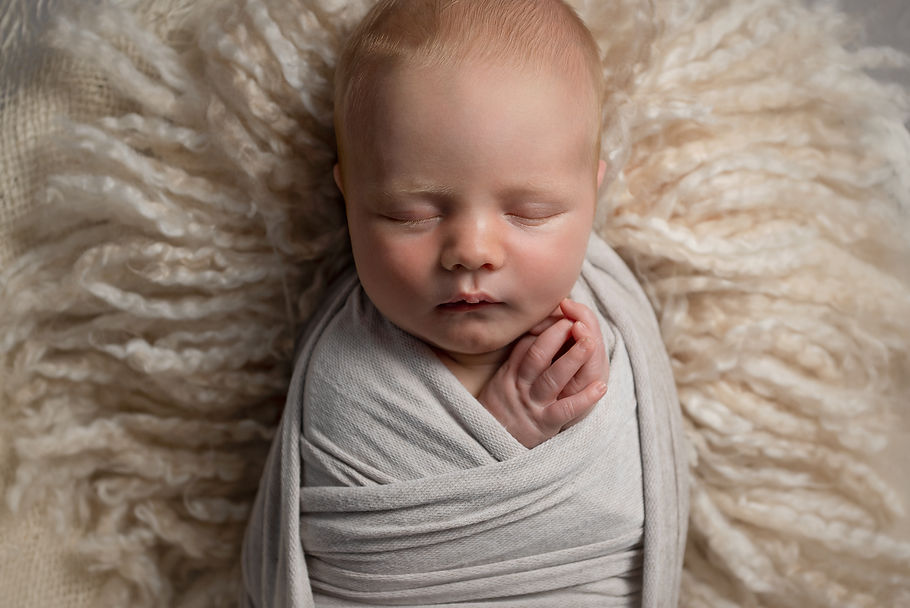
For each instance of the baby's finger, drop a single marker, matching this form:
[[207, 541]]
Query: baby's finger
[[596, 367], [578, 419], [593, 369], [518, 351], [578, 312], [544, 325], [549, 320], [540, 353], [570, 410], [553, 380]]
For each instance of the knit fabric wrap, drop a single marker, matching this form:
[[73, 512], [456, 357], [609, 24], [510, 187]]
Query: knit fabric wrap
[[413, 494]]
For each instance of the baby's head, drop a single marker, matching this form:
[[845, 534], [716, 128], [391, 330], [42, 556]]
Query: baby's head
[[468, 135]]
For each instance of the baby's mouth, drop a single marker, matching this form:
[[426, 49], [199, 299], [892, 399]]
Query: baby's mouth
[[468, 302], [463, 306]]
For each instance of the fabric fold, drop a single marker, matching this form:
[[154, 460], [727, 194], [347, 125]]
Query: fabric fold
[[389, 484]]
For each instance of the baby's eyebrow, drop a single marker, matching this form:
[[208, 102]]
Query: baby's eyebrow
[[552, 192], [425, 190], [446, 191], [526, 190]]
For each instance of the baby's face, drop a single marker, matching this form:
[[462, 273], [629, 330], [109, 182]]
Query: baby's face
[[470, 213]]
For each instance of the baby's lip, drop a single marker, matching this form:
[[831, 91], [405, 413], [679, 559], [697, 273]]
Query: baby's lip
[[477, 297]]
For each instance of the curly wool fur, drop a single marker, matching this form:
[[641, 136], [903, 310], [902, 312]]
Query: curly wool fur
[[760, 189], [764, 207]]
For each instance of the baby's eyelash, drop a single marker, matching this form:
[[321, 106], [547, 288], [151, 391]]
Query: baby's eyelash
[[532, 219], [410, 222]]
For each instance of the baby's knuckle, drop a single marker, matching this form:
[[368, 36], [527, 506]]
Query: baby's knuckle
[[537, 354], [572, 387], [567, 411], [549, 382], [586, 346]]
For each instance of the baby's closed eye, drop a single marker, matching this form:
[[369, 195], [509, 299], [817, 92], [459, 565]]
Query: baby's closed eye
[[533, 213], [410, 214]]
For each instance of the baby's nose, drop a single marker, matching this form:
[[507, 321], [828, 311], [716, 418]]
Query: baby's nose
[[473, 245]]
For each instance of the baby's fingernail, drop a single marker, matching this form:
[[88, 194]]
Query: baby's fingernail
[[601, 387]]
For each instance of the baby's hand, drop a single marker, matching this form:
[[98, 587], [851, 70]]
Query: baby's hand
[[534, 396], [595, 368]]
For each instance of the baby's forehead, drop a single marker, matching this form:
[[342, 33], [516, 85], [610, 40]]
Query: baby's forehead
[[485, 113], [480, 82], [525, 38], [515, 69]]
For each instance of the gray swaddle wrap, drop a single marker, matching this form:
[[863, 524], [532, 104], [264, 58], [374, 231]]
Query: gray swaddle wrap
[[413, 494]]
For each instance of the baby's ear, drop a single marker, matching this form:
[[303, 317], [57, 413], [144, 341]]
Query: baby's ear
[[601, 170], [336, 173]]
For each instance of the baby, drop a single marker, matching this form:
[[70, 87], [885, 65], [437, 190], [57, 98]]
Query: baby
[[424, 456], [469, 163]]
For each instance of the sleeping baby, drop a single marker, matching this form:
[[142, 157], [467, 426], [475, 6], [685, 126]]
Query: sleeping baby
[[481, 412]]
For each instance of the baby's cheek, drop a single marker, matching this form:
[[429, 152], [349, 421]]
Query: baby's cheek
[[406, 264], [552, 269], [399, 270]]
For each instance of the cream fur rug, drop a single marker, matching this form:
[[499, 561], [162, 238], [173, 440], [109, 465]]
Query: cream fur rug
[[152, 283]]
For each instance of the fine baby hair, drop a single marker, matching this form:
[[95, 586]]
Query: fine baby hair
[[531, 35]]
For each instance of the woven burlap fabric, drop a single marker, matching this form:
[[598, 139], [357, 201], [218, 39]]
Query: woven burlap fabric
[[757, 182], [35, 568], [39, 86]]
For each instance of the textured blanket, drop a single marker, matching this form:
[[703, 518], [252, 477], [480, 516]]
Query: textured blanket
[[413, 494]]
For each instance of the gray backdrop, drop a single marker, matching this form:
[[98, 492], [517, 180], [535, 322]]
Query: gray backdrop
[[888, 23]]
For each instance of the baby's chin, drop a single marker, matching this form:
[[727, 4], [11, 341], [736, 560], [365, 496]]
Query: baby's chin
[[480, 340], [477, 352]]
